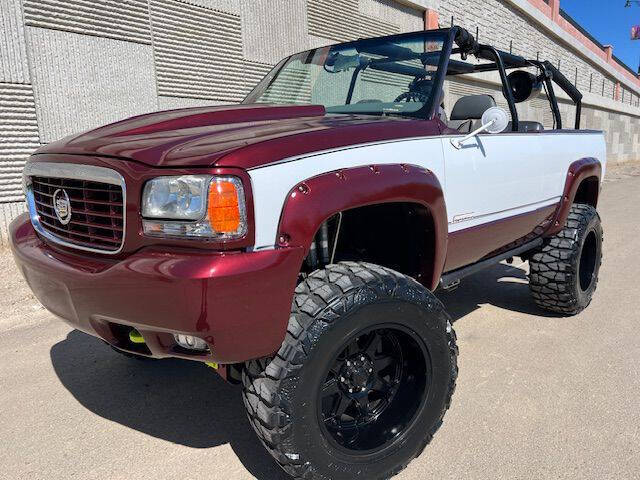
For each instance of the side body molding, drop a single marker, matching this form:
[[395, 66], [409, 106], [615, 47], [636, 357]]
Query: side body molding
[[315, 200], [579, 171]]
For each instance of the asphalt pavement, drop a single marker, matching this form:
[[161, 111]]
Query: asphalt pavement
[[538, 397]]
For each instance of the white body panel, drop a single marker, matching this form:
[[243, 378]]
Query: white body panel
[[491, 177], [497, 176], [271, 184]]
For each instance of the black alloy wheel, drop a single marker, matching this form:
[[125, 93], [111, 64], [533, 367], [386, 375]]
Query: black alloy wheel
[[374, 388]]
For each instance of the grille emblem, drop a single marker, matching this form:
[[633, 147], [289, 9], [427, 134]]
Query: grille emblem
[[62, 206]]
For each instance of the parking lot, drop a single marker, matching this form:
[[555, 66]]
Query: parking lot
[[538, 397]]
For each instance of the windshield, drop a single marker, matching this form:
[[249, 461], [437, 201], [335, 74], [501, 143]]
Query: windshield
[[390, 75]]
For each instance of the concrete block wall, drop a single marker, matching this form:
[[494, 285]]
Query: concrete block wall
[[72, 65]]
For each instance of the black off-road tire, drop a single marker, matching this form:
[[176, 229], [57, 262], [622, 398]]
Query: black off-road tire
[[328, 307], [564, 273]]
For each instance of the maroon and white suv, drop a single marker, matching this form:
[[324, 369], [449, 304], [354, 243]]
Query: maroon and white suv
[[293, 241]]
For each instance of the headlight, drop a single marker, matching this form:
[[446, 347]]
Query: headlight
[[194, 206]]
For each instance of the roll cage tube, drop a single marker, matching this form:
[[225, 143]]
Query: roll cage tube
[[551, 94], [455, 34], [438, 84], [485, 51], [568, 88], [467, 44], [502, 61], [428, 110]]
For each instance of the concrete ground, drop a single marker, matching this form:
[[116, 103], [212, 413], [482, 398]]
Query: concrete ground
[[538, 397]]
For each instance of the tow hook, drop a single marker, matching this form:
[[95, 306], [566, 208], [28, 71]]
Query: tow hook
[[135, 337]]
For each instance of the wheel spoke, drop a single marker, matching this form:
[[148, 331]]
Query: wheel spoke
[[363, 406], [330, 387], [350, 435], [342, 405], [351, 349], [339, 407], [371, 346], [381, 385], [383, 362]]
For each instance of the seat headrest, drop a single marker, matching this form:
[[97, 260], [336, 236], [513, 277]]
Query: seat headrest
[[525, 126], [472, 107]]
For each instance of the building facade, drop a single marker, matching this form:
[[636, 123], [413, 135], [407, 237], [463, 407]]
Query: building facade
[[71, 65]]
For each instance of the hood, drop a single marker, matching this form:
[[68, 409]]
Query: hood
[[243, 136]]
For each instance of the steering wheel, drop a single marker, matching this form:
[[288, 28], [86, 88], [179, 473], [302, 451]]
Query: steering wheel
[[411, 97]]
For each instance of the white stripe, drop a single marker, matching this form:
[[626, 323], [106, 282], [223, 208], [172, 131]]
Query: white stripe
[[492, 217]]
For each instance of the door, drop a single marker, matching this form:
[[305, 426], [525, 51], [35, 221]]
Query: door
[[498, 189]]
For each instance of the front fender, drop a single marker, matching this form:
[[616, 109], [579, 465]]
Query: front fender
[[313, 201]]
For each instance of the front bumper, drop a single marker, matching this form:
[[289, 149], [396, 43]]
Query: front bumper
[[238, 302]]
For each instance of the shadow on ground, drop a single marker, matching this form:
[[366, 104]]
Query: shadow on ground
[[178, 401], [504, 286], [185, 403]]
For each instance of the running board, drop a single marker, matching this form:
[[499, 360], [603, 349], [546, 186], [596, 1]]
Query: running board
[[452, 279]]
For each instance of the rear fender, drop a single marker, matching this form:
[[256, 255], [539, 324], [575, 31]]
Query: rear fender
[[312, 202], [579, 171]]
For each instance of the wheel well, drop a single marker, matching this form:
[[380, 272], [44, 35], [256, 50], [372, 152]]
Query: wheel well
[[400, 236], [588, 191]]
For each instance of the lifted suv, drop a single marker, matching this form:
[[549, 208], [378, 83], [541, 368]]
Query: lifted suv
[[293, 241]]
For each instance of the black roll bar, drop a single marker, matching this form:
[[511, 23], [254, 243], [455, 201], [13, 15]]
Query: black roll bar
[[551, 94], [491, 53], [569, 88], [502, 60]]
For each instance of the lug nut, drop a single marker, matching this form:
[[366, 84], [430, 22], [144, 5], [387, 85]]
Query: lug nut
[[362, 359], [348, 363], [351, 390], [342, 379]]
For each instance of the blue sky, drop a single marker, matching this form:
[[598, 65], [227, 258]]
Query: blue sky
[[610, 23]]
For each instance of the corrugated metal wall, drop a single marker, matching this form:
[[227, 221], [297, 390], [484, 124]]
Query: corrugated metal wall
[[198, 51], [118, 19], [18, 137], [83, 81], [13, 51]]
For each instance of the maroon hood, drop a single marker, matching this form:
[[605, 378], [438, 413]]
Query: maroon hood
[[234, 135]]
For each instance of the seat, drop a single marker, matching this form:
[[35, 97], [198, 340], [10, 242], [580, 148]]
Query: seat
[[467, 109], [526, 126]]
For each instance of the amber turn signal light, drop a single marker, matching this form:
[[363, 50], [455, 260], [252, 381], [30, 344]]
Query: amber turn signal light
[[223, 208]]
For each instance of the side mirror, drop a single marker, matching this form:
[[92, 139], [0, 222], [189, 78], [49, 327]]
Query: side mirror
[[524, 85], [494, 120]]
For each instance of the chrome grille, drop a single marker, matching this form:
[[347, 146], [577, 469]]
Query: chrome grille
[[97, 217]]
